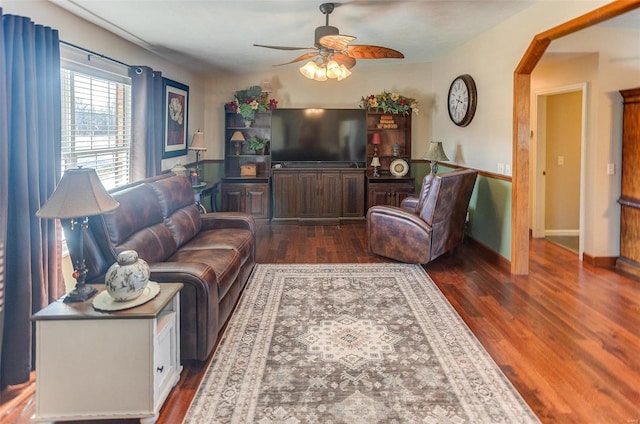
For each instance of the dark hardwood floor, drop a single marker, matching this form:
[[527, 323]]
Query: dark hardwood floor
[[567, 335]]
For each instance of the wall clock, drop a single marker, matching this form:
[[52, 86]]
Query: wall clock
[[462, 100]]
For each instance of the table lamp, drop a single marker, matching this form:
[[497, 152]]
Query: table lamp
[[375, 162], [238, 139], [197, 144], [79, 195], [434, 154], [376, 140]]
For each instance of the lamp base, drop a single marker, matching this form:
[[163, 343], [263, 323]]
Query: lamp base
[[80, 293]]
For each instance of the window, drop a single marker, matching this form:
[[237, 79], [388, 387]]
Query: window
[[96, 123]]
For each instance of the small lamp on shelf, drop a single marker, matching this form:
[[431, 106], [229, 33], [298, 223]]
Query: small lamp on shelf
[[79, 195], [375, 162], [197, 144], [434, 154], [238, 139], [376, 140]]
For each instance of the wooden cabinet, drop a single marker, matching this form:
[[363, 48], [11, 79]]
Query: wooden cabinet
[[318, 194], [317, 191], [388, 191], [247, 197], [245, 184], [107, 365], [395, 139], [629, 259]]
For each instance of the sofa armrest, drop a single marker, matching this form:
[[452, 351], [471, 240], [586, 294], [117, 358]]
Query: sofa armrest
[[214, 220], [198, 304]]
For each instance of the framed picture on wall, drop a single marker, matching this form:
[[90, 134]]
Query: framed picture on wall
[[175, 107]]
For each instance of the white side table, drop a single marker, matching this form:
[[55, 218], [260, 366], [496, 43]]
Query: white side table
[[107, 365]]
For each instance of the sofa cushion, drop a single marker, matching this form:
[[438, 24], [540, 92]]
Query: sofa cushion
[[177, 204], [223, 238], [225, 263]]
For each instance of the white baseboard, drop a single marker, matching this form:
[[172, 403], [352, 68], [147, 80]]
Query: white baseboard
[[574, 233]]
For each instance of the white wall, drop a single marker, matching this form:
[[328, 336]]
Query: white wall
[[89, 36]]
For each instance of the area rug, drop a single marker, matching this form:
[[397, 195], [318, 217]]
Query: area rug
[[351, 343]]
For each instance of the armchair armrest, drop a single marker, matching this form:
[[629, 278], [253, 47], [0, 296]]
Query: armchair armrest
[[410, 203], [398, 234]]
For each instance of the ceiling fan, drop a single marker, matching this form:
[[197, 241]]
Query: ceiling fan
[[332, 54]]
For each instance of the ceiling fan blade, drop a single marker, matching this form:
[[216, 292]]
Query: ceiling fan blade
[[284, 47], [373, 52], [345, 60], [300, 58], [336, 42]]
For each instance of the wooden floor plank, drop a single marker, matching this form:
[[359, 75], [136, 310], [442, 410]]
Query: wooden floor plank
[[567, 335]]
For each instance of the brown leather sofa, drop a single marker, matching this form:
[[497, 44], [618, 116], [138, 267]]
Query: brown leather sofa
[[423, 227], [212, 254]]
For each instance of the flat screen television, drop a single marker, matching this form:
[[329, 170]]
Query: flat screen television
[[319, 135]]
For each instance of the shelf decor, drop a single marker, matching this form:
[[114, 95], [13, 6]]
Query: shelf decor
[[389, 102], [258, 144], [248, 102]]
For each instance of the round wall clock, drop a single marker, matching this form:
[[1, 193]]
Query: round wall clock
[[462, 100]]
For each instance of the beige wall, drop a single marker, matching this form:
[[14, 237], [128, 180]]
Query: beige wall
[[562, 181]]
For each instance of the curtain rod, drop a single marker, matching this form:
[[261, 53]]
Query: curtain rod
[[94, 53]]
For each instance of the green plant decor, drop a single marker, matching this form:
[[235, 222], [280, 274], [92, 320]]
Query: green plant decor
[[389, 103], [248, 102], [258, 144]]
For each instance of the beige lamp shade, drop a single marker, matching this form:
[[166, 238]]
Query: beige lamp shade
[[435, 152], [197, 142], [78, 194], [237, 136], [375, 161]]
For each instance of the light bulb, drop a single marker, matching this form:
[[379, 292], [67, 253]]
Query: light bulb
[[333, 69], [321, 74], [344, 73], [309, 70]]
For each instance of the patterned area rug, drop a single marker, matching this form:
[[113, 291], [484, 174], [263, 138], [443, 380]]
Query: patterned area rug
[[348, 343]]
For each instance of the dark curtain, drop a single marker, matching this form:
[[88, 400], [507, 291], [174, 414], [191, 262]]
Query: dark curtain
[[30, 131], [146, 122]]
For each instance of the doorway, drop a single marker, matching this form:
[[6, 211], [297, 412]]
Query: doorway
[[558, 177]]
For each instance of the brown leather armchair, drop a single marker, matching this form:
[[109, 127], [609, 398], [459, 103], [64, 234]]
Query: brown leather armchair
[[426, 226]]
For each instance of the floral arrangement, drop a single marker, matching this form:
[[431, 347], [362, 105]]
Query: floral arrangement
[[248, 102], [389, 103]]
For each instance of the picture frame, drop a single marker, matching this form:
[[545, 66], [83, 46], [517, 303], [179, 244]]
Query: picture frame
[[175, 108]]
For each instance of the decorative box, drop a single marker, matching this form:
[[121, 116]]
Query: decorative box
[[248, 169]]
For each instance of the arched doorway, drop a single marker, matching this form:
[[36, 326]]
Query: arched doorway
[[521, 126]]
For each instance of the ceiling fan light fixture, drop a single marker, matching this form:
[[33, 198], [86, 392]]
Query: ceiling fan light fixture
[[344, 73], [309, 69], [321, 74], [333, 69]]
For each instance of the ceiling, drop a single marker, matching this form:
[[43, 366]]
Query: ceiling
[[218, 36]]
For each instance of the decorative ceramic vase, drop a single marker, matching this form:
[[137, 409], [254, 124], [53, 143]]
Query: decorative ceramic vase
[[247, 123], [127, 278]]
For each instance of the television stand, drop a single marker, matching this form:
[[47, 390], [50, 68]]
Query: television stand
[[321, 193]]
